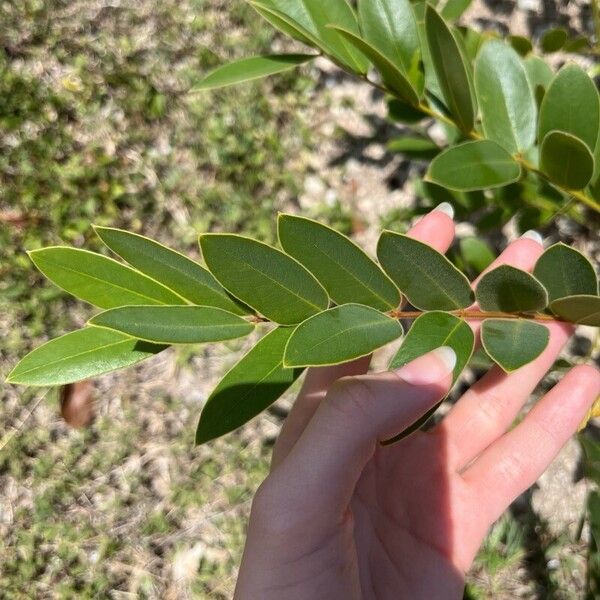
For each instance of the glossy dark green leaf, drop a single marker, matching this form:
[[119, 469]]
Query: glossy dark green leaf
[[521, 45], [315, 16], [474, 166], [266, 279], [392, 76], [174, 324], [431, 81], [341, 267], [571, 105], [577, 44], [339, 335], [554, 39], [249, 69], [508, 289], [453, 9], [566, 160], [451, 68], [402, 112], [432, 330], [99, 280], [174, 270], [391, 27], [415, 147], [506, 101], [427, 278], [476, 253], [513, 343], [583, 310], [564, 271], [250, 387], [287, 25], [80, 355]]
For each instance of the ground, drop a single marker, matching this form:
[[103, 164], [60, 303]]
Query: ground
[[96, 127]]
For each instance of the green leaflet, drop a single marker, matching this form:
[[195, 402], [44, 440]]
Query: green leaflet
[[266, 279], [474, 166], [174, 324], [508, 289], [98, 280], [287, 25], [251, 386], [508, 108], [415, 147], [554, 39], [80, 355], [513, 343], [540, 76], [427, 278], [476, 253], [315, 16], [432, 330], [566, 160], [564, 271], [174, 270], [339, 335], [341, 267], [392, 76], [571, 105], [453, 9], [582, 310], [390, 26], [451, 68], [249, 69], [521, 45]]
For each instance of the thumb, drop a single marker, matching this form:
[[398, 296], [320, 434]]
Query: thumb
[[323, 468]]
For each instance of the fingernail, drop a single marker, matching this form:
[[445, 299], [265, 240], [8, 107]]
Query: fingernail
[[446, 208], [532, 234], [430, 368]]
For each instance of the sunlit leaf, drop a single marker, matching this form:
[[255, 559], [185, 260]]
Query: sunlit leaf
[[251, 386], [513, 343], [427, 278], [80, 355], [339, 335], [508, 289], [341, 267]]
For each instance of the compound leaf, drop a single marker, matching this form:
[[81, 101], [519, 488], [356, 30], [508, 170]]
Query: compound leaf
[[513, 343], [339, 335], [566, 160], [427, 278], [341, 267], [432, 330], [249, 69], [451, 68], [266, 279], [174, 324], [251, 386], [99, 280], [474, 166], [174, 270], [564, 271], [80, 355], [508, 108], [582, 310], [511, 290]]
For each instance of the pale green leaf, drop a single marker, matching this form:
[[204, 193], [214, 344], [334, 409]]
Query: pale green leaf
[[266, 279], [564, 271], [566, 160], [80, 355], [174, 270], [513, 343], [474, 166], [453, 73], [99, 280], [453, 9], [506, 101], [250, 387], [174, 324], [339, 335], [427, 278], [341, 267], [249, 69], [511, 290], [582, 310]]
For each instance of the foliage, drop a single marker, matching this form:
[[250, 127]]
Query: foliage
[[328, 301]]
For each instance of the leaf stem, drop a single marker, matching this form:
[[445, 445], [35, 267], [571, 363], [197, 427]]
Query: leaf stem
[[476, 315]]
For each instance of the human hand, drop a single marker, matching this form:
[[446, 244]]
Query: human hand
[[342, 517]]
